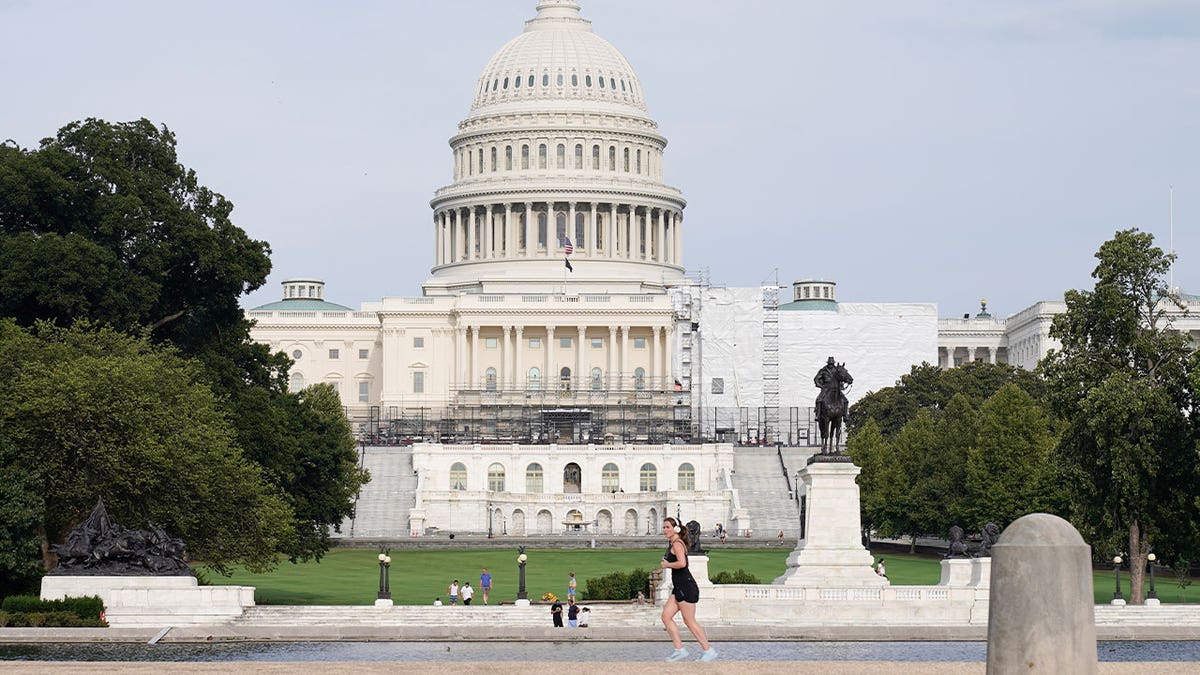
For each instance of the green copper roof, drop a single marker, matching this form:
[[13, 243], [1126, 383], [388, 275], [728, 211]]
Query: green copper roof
[[810, 306], [301, 305]]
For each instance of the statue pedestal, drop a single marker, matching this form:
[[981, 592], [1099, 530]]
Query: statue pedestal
[[831, 552], [153, 601], [383, 602], [956, 572], [522, 603]]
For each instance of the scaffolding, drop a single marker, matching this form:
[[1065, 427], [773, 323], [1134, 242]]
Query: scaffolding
[[769, 413]]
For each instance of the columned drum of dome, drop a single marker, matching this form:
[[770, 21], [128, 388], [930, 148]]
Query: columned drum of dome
[[558, 150]]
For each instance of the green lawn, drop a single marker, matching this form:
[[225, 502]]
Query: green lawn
[[351, 576]]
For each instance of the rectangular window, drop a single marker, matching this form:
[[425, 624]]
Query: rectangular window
[[639, 343], [718, 385], [565, 343], [334, 354], [418, 382], [491, 343], [597, 343], [418, 343], [364, 353], [364, 392], [535, 343]]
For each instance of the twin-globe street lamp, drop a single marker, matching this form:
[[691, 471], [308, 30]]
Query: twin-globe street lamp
[[522, 598], [1118, 599], [385, 587]]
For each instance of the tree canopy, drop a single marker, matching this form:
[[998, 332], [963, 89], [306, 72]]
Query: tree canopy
[[1124, 383], [102, 222]]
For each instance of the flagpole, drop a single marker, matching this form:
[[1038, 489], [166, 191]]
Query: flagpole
[[1171, 199]]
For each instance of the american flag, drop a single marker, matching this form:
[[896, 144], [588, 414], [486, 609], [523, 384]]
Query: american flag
[[567, 245]]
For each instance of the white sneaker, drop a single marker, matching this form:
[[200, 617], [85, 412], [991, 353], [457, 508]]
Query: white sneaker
[[678, 655], [709, 654]]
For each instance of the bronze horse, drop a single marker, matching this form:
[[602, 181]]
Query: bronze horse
[[831, 407]]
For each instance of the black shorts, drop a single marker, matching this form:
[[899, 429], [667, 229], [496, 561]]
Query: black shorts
[[687, 593]]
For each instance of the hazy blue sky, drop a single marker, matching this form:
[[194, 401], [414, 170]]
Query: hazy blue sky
[[916, 150]]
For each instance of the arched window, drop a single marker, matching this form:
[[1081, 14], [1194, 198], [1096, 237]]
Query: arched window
[[597, 379], [496, 477], [610, 478], [458, 477], [517, 82], [560, 79], [574, 80], [564, 379], [639, 161], [626, 164], [506, 83], [560, 228], [572, 479], [508, 158], [481, 160], [535, 378], [595, 158], [490, 379], [561, 156], [295, 382], [612, 158], [545, 79], [649, 478], [639, 379], [521, 243], [542, 156], [493, 158], [541, 230], [530, 84], [687, 477], [587, 79], [579, 156], [524, 156], [601, 78], [534, 479], [580, 239]]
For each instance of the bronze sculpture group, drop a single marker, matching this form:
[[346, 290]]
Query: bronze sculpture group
[[832, 380], [100, 547]]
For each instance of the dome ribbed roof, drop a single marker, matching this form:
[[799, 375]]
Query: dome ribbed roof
[[558, 58]]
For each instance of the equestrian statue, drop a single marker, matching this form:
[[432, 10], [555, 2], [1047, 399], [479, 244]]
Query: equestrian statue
[[832, 404]]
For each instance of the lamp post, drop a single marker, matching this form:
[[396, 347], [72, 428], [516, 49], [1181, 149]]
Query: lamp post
[[1152, 599], [1118, 599], [522, 597], [678, 518], [384, 598], [504, 525], [490, 516]]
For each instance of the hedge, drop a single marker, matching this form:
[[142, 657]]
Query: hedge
[[48, 620], [88, 607], [617, 586], [741, 576]]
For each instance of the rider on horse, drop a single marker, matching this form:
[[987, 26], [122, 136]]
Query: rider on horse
[[826, 377]]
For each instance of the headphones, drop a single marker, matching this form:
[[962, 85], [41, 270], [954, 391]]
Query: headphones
[[677, 530]]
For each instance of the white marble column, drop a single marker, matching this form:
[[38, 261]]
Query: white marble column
[[612, 356], [470, 232], [508, 230], [636, 240], [610, 241], [626, 371], [460, 357], [518, 353], [487, 234], [505, 356], [530, 242], [660, 246], [669, 353], [551, 375], [678, 218], [591, 233], [472, 373], [551, 230], [579, 347]]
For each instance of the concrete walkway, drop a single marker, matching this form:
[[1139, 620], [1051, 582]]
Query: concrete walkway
[[458, 668]]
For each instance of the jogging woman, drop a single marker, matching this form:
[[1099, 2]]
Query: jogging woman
[[684, 594]]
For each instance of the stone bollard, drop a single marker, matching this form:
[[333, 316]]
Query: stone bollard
[[1041, 616]]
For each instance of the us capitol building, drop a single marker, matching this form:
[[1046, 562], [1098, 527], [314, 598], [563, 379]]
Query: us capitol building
[[559, 370]]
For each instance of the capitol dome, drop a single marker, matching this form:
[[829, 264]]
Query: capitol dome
[[558, 58], [557, 166]]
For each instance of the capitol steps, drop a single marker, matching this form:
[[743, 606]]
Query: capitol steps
[[427, 615], [383, 505], [763, 492]]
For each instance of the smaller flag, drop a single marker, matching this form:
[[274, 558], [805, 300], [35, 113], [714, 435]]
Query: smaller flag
[[568, 261], [567, 246]]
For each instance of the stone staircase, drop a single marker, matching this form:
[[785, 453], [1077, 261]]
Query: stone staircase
[[1141, 615], [763, 491], [383, 505], [615, 615]]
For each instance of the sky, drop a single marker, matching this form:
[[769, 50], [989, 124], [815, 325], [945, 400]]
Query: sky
[[919, 151]]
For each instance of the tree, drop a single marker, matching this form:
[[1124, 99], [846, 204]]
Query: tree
[[881, 483], [103, 222], [1121, 383], [94, 413], [1008, 469], [21, 508]]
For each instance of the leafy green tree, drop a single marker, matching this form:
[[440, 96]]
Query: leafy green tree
[[1009, 470], [98, 414], [922, 456], [21, 507], [1123, 381], [882, 483], [956, 432], [103, 222]]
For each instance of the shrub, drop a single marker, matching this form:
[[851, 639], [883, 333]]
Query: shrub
[[48, 620], [741, 576], [88, 607], [617, 586]]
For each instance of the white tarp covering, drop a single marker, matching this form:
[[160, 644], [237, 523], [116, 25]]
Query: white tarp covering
[[878, 342]]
